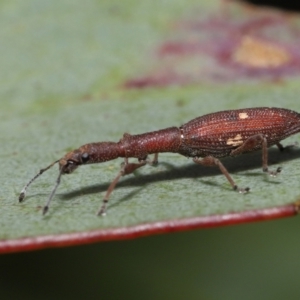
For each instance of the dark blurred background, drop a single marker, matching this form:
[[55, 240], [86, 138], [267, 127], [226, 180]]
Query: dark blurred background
[[281, 4], [252, 261]]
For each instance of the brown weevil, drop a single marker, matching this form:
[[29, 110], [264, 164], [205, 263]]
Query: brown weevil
[[205, 139]]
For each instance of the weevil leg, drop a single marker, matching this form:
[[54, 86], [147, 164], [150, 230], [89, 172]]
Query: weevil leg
[[211, 161], [287, 147], [280, 147], [250, 144], [154, 161], [126, 168]]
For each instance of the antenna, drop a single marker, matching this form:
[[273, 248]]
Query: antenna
[[23, 192]]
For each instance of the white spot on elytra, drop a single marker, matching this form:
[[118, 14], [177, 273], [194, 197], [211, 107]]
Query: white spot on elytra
[[236, 141], [243, 115]]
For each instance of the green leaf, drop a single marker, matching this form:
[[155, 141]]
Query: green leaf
[[64, 72]]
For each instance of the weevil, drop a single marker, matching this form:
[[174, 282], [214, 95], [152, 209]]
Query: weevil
[[205, 139]]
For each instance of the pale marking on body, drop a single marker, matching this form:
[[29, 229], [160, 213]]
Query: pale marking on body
[[243, 115], [236, 141]]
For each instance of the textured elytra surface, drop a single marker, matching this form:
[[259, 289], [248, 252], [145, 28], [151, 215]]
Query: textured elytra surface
[[220, 133]]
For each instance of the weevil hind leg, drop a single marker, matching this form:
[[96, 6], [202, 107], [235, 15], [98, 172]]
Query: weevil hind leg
[[251, 144], [287, 147], [280, 147], [211, 161]]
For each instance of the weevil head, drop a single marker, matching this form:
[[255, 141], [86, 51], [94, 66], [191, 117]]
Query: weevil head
[[72, 160], [67, 165]]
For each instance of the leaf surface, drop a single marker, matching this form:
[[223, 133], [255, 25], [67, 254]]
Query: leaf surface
[[64, 83]]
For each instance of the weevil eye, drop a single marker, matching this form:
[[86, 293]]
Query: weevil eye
[[85, 157]]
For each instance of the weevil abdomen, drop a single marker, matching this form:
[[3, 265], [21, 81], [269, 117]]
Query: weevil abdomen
[[218, 134]]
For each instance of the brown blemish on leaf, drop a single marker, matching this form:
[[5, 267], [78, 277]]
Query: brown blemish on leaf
[[256, 53], [234, 45], [154, 79]]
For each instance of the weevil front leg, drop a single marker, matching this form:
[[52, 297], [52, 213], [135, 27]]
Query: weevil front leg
[[250, 144], [126, 168], [211, 161]]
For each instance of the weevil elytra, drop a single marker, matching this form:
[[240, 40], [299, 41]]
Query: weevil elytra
[[205, 139]]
